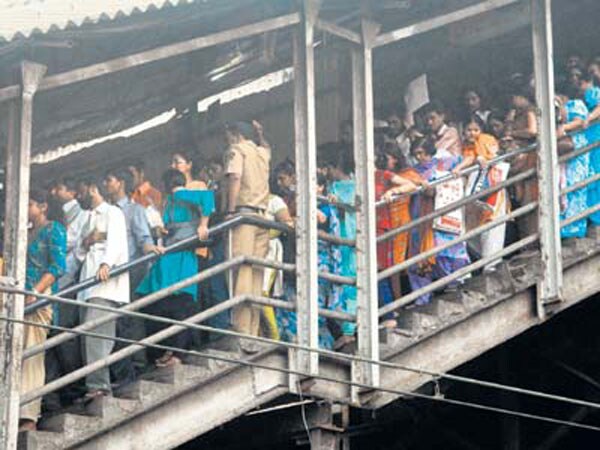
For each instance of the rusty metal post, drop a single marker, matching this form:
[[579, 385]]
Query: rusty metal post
[[15, 250]]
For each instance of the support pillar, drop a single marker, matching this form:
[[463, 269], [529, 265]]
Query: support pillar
[[550, 288], [321, 439], [366, 236], [306, 173], [15, 250]]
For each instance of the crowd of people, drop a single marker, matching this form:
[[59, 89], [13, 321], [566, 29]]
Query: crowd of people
[[81, 229]]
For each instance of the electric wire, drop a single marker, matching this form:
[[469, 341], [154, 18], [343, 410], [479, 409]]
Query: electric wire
[[324, 352], [398, 392]]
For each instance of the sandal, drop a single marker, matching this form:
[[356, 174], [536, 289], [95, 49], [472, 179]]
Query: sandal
[[163, 359], [172, 361], [91, 396], [342, 341], [389, 324], [27, 425], [167, 360]]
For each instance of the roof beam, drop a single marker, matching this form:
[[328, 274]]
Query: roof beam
[[336, 30], [156, 54], [440, 21]]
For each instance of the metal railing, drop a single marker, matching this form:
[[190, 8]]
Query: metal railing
[[185, 244], [193, 322], [200, 277]]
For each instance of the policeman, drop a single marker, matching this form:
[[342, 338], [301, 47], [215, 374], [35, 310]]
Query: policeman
[[246, 165]]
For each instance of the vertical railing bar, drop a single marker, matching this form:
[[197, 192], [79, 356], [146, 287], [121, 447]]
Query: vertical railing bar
[[306, 201], [366, 237]]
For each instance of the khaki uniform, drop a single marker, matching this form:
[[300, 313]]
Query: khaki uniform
[[251, 163]]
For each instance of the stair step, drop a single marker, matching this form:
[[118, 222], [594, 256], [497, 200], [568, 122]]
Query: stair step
[[450, 305], [394, 339], [214, 365], [71, 425], [473, 301], [111, 407], [574, 250], [145, 391], [178, 374], [493, 285], [525, 269], [418, 319], [40, 440]]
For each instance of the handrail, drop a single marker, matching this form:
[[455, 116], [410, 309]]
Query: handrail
[[462, 173], [180, 245], [455, 205], [580, 185], [523, 210], [582, 215], [158, 295], [177, 246], [575, 153], [456, 275], [134, 306]]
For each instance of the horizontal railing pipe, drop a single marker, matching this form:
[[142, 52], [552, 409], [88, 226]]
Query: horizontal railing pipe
[[575, 153], [266, 301], [456, 205], [462, 173], [182, 245], [133, 306], [128, 351], [178, 246], [580, 185], [129, 309], [583, 215], [463, 238], [442, 282]]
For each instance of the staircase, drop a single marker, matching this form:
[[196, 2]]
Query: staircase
[[171, 406]]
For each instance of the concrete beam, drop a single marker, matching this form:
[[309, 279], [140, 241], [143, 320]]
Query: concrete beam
[[200, 409], [447, 349]]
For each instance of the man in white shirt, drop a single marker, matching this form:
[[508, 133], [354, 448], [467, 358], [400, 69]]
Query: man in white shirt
[[66, 357], [65, 193], [104, 247]]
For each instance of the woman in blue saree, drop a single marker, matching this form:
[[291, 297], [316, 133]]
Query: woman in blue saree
[[573, 115]]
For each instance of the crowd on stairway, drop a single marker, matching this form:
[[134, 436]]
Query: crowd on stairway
[[83, 228]]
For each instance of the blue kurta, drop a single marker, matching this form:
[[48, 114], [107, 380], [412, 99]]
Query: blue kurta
[[47, 253], [592, 100], [329, 293], [182, 206], [345, 192], [575, 171]]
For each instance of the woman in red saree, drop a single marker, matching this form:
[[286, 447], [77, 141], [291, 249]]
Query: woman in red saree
[[385, 180]]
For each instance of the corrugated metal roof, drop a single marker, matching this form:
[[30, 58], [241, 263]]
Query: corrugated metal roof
[[21, 18]]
